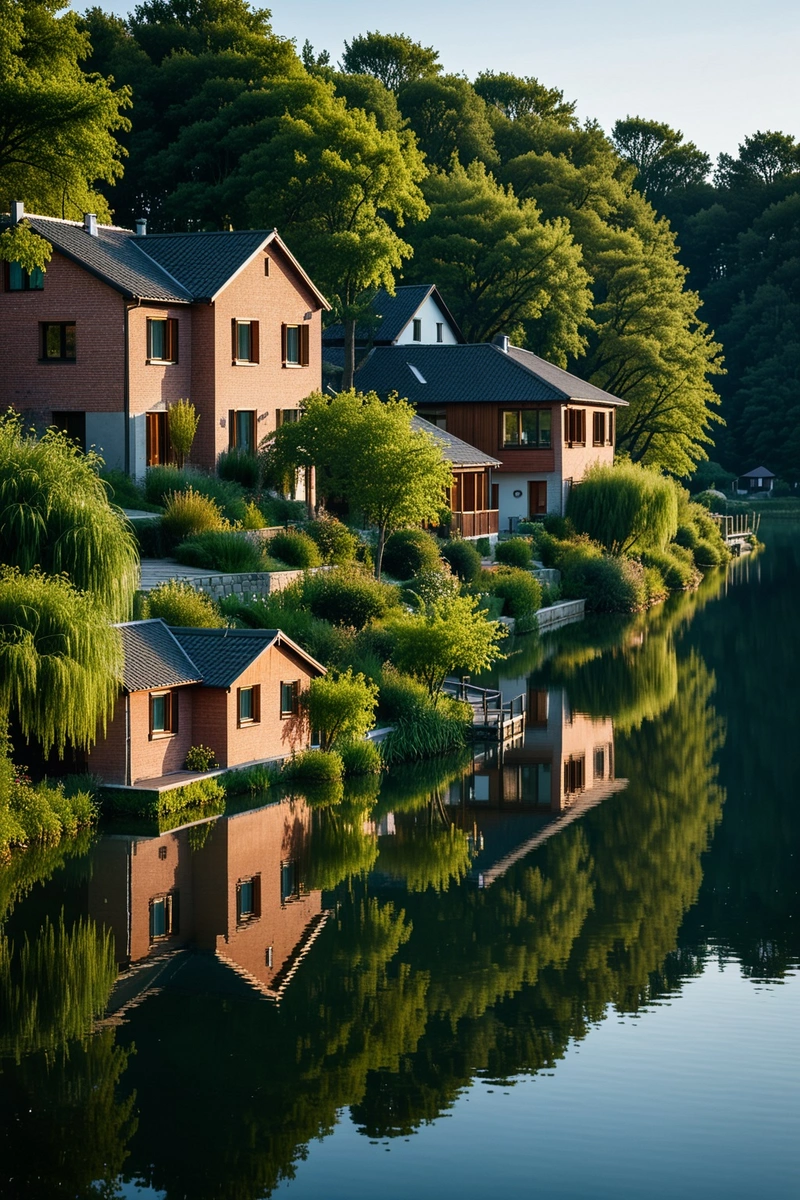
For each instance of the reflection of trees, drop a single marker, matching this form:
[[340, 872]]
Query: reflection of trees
[[344, 846], [26, 868], [425, 855]]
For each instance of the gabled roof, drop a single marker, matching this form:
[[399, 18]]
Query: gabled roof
[[459, 453], [759, 473], [394, 313], [115, 257], [153, 657], [222, 655], [475, 374], [164, 267]]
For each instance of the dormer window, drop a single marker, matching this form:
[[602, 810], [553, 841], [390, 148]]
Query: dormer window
[[417, 330]]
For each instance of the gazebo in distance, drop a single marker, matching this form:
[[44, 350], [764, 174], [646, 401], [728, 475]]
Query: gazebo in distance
[[759, 480]]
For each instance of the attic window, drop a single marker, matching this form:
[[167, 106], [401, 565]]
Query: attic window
[[416, 373], [417, 333], [440, 331]]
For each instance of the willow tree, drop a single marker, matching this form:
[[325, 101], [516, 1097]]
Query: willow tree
[[625, 507], [55, 515], [60, 660]]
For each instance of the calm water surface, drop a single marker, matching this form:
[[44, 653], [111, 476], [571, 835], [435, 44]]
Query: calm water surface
[[566, 970]]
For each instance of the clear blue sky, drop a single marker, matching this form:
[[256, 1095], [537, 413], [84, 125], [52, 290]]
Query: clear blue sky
[[717, 69]]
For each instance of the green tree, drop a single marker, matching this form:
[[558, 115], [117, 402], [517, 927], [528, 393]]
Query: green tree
[[448, 118], [183, 420], [455, 633], [57, 123], [341, 708], [763, 159], [663, 161], [55, 514], [367, 452], [519, 96], [500, 264], [625, 507], [392, 58]]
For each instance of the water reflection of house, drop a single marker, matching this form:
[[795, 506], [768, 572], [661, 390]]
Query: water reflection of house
[[232, 887], [521, 793]]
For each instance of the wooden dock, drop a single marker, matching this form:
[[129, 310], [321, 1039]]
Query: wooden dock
[[492, 717], [738, 529]]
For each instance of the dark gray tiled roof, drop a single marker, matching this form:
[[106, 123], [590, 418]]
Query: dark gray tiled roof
[[472, 374], [759, 473], [154, 658], [204, 262], [457, 452], [394, 313], [222, 655], [113, 256]]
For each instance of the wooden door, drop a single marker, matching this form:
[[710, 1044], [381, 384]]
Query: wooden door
[[537, 497]]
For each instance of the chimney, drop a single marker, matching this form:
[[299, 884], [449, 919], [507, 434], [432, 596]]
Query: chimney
[[141, 227], [17, 211], [501, 340], [90, 224]]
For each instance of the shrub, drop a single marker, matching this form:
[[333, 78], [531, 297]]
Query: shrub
[[315, 766], [464, 559], [361, 758], [341, 708], [177, 603], [221, 550], [295, 549], [654, 585], [675, 564], [183, 419], [125, 492], [780, 490], [608, 583], [336, 543], [188, 513], [249, 779], [237, 466], [409, 551], [253, 516], [484, 547], [687, 535], [200, 758], [281, 511], [161, 482], [455, 635], [706, 554], [422, 728], [150, 539], [558, 527], [625, 507], [520, 592], [516, 552], [434, 585], [347, 597]]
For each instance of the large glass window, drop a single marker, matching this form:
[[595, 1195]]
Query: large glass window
[[527, 428], [164, 920]]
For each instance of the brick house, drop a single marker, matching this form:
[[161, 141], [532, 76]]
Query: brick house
[[544, 425], [122, 324], [234, 690]]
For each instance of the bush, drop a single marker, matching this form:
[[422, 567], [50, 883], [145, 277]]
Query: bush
[[237, 466], [126, 493], [559, 527], [187, 513], [347, 597], [676, 566], [625, 507], [203, 795], [281, 511], [150, 539], [422, 728], [516, 552], [249, 779], [336, 543], [295, 549], [483, 546], [161, 482], [177, 603], [432, 586], [200, 758], [687, 535], [464, 560], [253, 516], [780, 490], [409, 551], [655, 588], [315, 766], [341, 708], [361, 758], [608, 583], [221, 550], [520, 592], [707, 554]]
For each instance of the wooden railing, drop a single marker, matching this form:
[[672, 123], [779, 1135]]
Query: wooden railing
[[490, 713], [737, 525], [476, 524]]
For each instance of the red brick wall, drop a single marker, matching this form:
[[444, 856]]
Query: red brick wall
[[153, 876], [159, 383], [107, 757], [95, 381], [161, 755], [210, 721], [273, 735]]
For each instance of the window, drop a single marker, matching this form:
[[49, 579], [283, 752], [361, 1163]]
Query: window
[[574, 774], [162, 339], [248, 899], [162, 853], [436, 416], [600, 762], [266, 266], [164, 916], [417, 330], [249, 705], [163, 713], [295, 345], [242, 430], [20, 280], [290, 881], [598, 429], [290, 698], [527, 428], [286, 416], [58, 341], [73, 424], [575, 426], [244, 341], [439, 331]]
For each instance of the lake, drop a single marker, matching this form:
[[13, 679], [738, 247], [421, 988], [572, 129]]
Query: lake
[[569, 968]]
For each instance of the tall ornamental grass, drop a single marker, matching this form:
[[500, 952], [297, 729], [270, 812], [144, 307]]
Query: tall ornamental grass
[[625, 507], [55, 514]]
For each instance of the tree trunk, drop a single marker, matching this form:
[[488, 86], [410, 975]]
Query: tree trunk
[[379, 550], [349, 353]]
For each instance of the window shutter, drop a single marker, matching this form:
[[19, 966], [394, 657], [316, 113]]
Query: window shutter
[[256, 895], [174, 701], [611, 427], [234, 339], [304, 341], [149, 338], [231, 429], [172, 339], [283, 343], [254, 342]]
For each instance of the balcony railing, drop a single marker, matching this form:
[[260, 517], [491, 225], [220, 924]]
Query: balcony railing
[[476, 524]]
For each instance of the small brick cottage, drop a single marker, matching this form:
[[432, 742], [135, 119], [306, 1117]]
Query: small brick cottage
[[234, 690]]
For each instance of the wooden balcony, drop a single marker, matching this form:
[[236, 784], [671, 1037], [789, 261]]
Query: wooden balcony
[[476, 524]]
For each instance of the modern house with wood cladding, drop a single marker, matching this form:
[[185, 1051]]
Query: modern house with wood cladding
[[236, 691], [544, 425], [124, 323], [470, 499]]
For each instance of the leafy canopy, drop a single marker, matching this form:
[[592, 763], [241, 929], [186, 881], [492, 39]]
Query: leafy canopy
[[445, 636], [663, 161], [392, 58], [625, 507], [341, 708]]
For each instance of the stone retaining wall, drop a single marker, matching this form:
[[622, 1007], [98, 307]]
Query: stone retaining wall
[[562, 613], [245, 584]]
